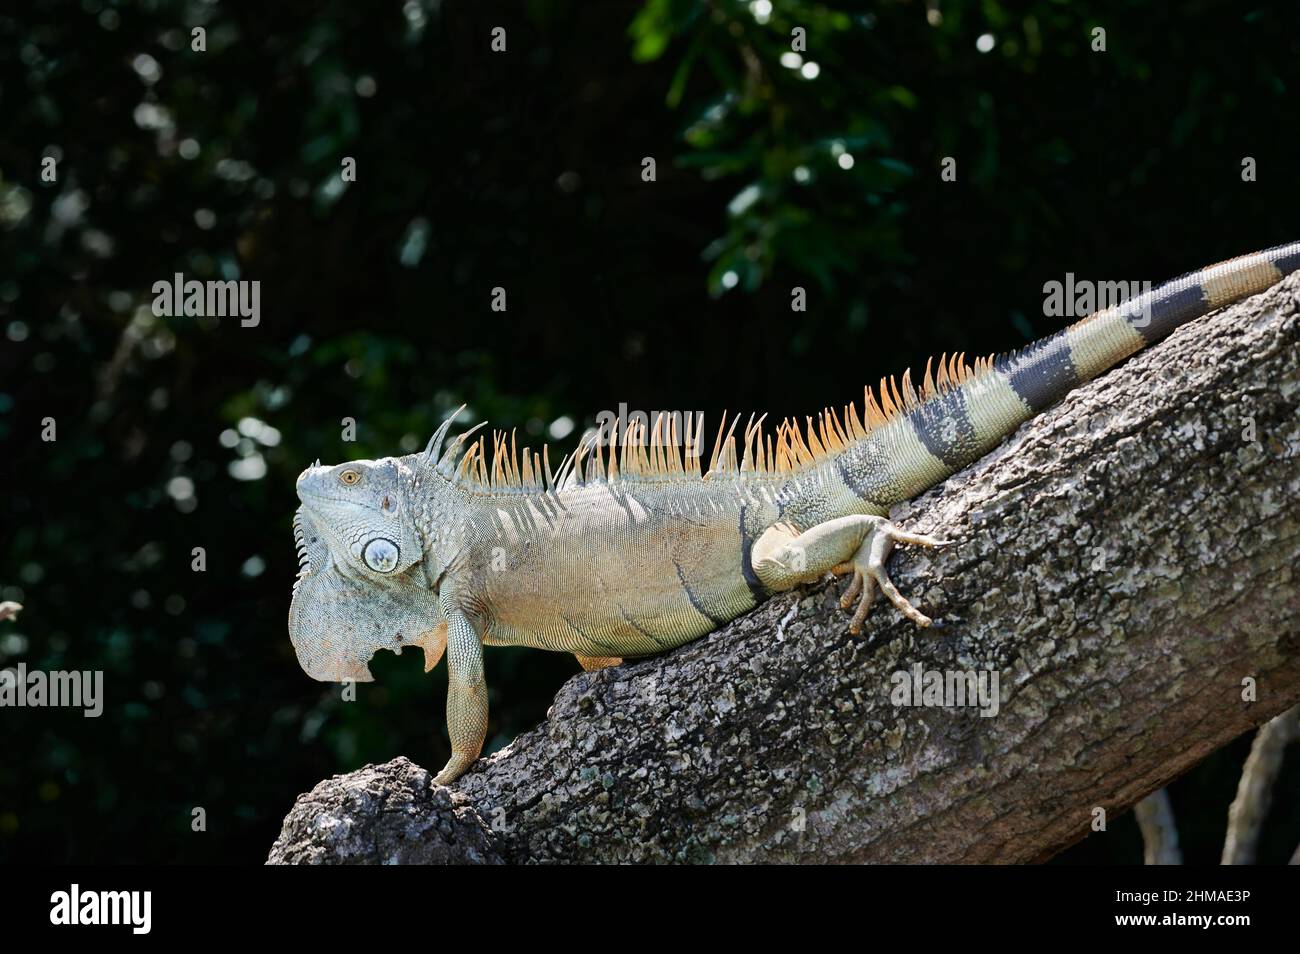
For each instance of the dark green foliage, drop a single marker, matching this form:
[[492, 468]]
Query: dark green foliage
[[520, 170]]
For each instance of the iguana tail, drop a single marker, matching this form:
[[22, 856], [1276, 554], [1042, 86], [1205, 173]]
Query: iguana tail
[[958, 424]]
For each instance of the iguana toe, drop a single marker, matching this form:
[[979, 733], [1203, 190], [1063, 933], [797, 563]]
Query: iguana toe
[[869, 571]]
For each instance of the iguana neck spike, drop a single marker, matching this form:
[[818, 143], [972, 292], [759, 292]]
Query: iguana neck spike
[[435, 442], [447, 464]]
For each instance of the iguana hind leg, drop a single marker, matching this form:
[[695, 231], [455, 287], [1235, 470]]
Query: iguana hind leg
[[783, 558], [592, 663]]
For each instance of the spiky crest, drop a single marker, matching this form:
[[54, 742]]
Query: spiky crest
[[668, 449]]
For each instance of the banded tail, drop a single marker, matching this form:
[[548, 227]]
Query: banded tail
[[948, 427]]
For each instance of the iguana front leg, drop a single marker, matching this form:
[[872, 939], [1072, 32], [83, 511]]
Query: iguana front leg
[[783, 558], [467, 700]]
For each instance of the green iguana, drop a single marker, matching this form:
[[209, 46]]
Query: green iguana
[[633, 551]]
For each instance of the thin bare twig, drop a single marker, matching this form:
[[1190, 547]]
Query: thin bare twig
[[1155, 816]]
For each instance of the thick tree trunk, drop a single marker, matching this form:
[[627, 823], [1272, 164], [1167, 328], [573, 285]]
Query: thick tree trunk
[[1125, 563]]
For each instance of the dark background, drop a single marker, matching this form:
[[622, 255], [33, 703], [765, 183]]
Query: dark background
[[522, 170]]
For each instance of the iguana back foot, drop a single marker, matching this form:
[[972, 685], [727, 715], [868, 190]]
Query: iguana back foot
[[592, 663], [868, 569], [783, 558]]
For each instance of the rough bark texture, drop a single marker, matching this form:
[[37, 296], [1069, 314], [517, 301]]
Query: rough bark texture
[[1124, 562]]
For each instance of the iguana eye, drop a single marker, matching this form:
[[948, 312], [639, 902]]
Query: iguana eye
[[349, 477], [381, 555]]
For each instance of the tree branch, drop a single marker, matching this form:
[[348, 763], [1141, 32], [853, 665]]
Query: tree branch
[[1155, 816], [1255, 789], [1125, 563]]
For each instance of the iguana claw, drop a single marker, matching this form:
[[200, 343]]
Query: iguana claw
[[868, 569]]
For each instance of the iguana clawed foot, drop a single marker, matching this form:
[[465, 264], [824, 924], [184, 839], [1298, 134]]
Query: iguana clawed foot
[[868, 570], [784, 557]]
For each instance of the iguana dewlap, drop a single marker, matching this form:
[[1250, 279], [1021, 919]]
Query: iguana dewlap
[[629, 550]]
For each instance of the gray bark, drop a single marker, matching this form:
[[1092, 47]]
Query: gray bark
[[1125, 563]]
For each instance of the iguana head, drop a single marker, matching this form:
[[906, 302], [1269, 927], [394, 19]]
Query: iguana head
[[361, 586], [370, 566], [361, 511]]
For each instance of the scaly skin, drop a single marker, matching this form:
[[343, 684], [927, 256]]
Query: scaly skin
[[635, 556]]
